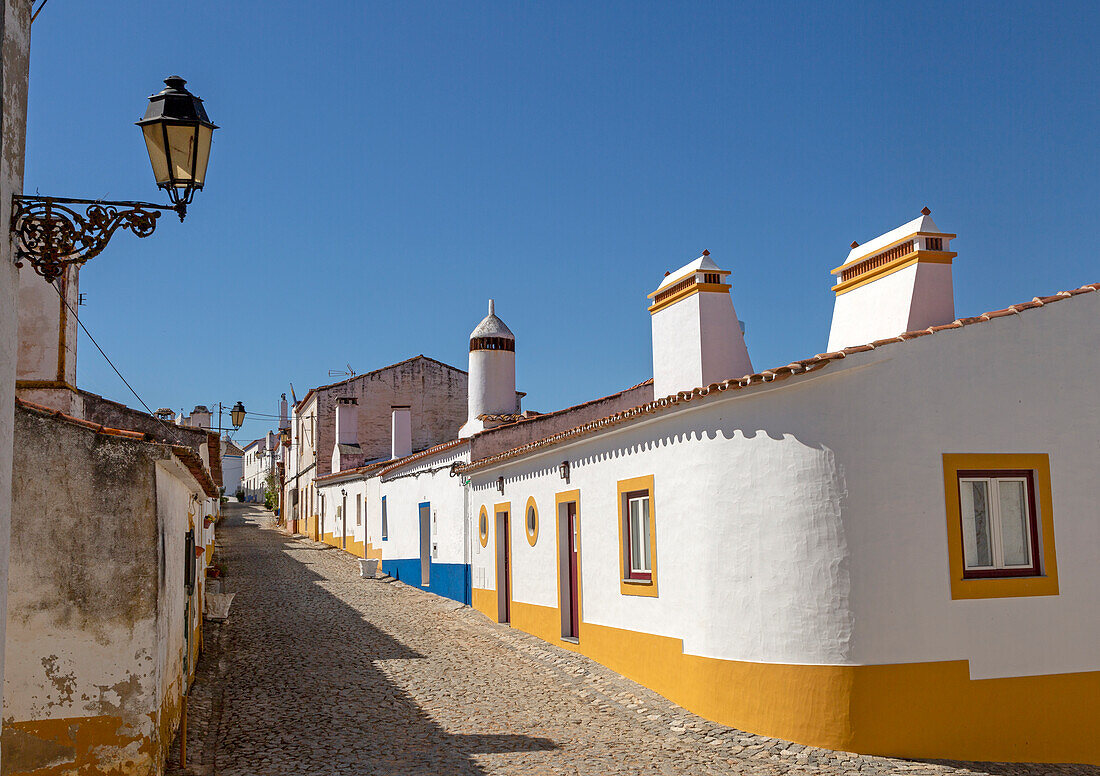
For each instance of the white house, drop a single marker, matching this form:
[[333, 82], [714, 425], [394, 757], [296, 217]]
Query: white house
[[232, 466], [887, 548], [258, 462]]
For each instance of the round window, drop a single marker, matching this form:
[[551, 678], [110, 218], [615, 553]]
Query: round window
[[483, 527], [531, 522]]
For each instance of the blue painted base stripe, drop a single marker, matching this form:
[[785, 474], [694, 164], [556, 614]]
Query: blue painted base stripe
[[450, 580]]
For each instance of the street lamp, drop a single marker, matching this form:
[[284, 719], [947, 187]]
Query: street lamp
[[50, 233], [177, 136], [237, 414]]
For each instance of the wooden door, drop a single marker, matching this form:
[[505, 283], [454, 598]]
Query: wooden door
[[574, 570], [425, 544], [504, 569]]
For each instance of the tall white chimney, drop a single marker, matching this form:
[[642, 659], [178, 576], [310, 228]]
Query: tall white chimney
[[697, 339], [492, 381], [284, 421], [347, 421], [898, 282], [345, 450], [46, 359], [401, 429]]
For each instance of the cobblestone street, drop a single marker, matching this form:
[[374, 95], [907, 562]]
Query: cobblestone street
[[317, 671]]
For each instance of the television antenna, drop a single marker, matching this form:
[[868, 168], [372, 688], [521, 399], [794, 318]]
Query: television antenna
[[349, 372]]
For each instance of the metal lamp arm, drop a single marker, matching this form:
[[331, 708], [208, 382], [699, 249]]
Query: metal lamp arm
[[52, 235]]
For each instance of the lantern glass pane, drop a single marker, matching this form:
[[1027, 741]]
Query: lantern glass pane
[[154, 143], [181, 154], [205, 136]]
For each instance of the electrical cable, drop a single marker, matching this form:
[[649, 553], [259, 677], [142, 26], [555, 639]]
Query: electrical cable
[[84, 328], [35, 14]]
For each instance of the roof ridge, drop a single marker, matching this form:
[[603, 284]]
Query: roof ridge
[[347, 380]]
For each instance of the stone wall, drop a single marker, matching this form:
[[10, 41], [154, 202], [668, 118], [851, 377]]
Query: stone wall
[[435, 392], [94, 625], [15, 30]]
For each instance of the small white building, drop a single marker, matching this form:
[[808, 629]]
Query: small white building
[[259, 458], [232, 466]]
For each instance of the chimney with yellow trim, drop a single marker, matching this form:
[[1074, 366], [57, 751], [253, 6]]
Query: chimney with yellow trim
[[898, 282], [697, 339]]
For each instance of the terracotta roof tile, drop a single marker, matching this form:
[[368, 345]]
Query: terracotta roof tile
[[40, 409], [187, 455], [809, 365]]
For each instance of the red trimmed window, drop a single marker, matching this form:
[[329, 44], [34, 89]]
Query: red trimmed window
[[1000, 527], [638, 553]]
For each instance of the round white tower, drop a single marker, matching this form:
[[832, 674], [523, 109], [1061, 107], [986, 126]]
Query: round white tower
[[492, 383]]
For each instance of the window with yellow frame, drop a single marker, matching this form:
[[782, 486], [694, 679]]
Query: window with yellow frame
[[637, 537], [1000, 525]]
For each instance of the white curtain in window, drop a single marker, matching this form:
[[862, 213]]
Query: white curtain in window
[[977, 544], [639, 534], [1014, 524]]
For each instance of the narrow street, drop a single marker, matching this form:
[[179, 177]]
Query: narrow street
[[317, 671]]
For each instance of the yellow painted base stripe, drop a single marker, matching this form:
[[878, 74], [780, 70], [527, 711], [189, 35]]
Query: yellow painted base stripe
[[922, 710], [485, 601], [85, 745]]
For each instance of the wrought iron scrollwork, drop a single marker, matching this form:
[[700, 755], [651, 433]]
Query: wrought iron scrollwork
[[52, 235]]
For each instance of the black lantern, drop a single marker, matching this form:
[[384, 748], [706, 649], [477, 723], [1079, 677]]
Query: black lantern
[[177, 135], [237, 414]]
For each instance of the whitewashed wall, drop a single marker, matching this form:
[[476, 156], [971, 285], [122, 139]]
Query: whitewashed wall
[[428, 480], [804, 521]]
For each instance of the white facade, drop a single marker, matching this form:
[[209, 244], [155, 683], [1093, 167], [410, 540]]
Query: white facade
[[232, 468], [806, 576], [258, 464], [791, 530]]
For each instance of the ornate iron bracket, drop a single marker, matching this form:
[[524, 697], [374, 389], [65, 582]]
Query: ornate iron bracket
[[51, 235]]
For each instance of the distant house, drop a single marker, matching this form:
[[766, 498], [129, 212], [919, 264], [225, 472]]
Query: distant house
[[232, 466], [351, 422], [259, 464]]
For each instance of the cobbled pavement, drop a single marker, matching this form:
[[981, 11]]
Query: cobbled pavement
[[319, 672]]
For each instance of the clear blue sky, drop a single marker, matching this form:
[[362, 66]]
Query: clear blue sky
[[383, 168]]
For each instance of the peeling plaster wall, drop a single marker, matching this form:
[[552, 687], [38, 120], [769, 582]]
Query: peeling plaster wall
[[96, 602], [14, 62], [177, 616]]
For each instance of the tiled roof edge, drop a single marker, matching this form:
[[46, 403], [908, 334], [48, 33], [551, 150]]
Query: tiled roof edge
[[40, 409], [803, 366], [187, 455], [440, 448]]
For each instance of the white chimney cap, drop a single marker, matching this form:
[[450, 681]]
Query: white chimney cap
[[491, 326], [922, 224], [702, 264]]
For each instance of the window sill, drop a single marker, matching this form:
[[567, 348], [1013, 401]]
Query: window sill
[[1003, 587], [642, 587]]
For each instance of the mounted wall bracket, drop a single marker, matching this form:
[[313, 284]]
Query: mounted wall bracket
[[52, 235]]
